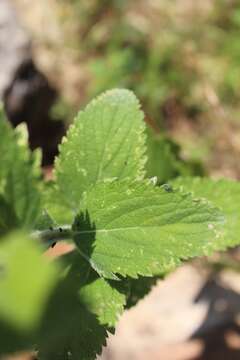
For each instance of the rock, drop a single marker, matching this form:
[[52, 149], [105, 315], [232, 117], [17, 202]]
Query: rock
[[25, 91], [29, 98], [15, 45]]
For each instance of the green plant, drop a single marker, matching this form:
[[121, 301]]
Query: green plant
[[164, 159], [126, 231], [133, 50]]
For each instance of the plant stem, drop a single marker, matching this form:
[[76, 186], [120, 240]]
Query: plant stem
[[52, 235]]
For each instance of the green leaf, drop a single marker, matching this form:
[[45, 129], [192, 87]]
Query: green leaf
[[44, 221], [139, 229], [53, 204], [164, 160], [21, 189], [106, 141], [8, 220], [80, 336], [223, 193], [162, 157], [19, 174], [82, 304], [26, 282], [105, 301], [101, 297], [6, 146], [26, 279], [139, 288]]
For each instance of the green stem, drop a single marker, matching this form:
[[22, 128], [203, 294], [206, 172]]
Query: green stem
[[50, 236]]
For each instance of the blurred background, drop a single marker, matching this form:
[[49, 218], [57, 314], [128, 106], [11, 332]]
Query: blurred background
[[182, 59]]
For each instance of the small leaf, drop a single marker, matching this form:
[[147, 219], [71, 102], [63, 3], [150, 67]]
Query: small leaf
[[162, 157], [139, 288], [164, 160], [6, 146], [100, 296], [223, 193], [106, 141], [8, 220], [26, 282], [138, 229], [80, 336], [55, 206], [87, 303], [19, 174], [44, 221]]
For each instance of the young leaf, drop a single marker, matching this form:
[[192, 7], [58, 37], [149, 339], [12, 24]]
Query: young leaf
[[138, 229], [139, 288], [19, 174], [164, 160], [100, 296], [225, 194], [26, 282], [81, 304], [8, 218], [44, 221], [106, 141], [21, 188], [6, 146], [57, 209], [80, 336]]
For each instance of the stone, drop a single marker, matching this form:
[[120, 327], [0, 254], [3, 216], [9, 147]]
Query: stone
[[15, 46], [24, 90]]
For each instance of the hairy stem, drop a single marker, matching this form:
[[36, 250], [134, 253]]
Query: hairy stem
[[52, 235]]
